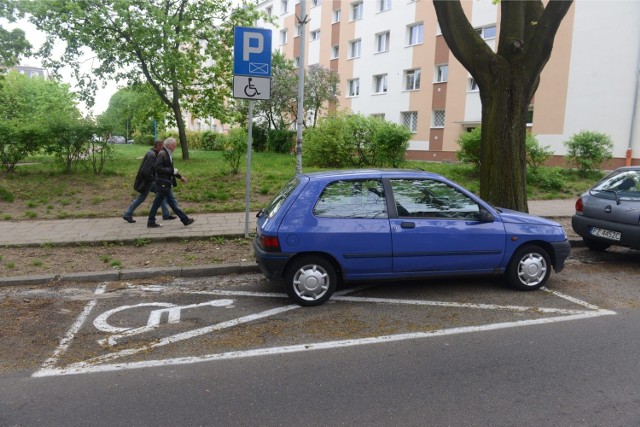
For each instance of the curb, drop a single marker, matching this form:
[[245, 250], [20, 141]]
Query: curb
[[132, 274]]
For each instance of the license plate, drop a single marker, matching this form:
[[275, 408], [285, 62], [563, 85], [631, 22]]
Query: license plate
[[607, 234]]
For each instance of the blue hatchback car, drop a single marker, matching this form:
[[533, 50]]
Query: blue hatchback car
[[359, 225]]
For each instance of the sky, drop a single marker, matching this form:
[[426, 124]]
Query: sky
[[37, 38]]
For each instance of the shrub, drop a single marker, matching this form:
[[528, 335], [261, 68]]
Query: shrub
[[327, 144], [536, 154], [209, 141], [281, 140], [588, 150], [235, 147], [391, 143], [546, 178], [469, 143]]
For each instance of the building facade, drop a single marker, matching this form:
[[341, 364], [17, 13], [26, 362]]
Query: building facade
[[393, 63]]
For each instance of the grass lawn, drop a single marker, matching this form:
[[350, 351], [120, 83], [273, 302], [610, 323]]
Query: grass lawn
[[39, 190]]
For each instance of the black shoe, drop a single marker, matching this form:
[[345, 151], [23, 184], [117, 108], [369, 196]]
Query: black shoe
[[166, 218], [153, 225], [189, 221], [129, 219]]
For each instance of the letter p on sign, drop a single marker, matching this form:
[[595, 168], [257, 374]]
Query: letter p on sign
[[248, 47]]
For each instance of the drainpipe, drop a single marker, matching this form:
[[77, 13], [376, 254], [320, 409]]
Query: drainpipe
[[633, 113]]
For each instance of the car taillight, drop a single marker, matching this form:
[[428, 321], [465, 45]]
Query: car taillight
[[579, 205], [270, 243]]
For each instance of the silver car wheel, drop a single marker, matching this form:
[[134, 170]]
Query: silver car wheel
[[532, 269], [311, 282]]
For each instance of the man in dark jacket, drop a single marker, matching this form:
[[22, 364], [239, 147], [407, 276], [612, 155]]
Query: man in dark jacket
[[144, 180], [166, 176]]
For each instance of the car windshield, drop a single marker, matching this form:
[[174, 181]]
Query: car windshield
[[277, 201], [622, 186]]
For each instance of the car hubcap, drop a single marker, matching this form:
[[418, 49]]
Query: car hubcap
[[532, 269], [311, 282]]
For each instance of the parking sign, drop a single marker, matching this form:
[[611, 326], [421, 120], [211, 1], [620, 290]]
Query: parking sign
[[252, 52]]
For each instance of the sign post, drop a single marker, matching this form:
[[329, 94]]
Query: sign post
[[251, 80]]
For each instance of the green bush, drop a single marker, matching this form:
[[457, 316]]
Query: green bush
[[536, 154], [235, 147], [356, 141], [549, 179], [260, 138], [588, 150], [209, 141], [281, 140], [469, 143]]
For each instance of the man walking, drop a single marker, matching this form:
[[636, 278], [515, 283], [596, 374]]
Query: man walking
[[144, 180], [166, 176]]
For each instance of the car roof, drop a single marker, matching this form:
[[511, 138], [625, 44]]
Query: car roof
[[371, 173]]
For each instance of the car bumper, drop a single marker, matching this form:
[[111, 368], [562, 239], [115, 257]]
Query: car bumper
[[630, 233], [272, 265], [561, 251]]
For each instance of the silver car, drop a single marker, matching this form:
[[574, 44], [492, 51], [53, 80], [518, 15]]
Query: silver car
[[609, 213]]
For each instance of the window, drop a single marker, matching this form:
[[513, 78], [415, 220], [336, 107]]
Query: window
[[356, 11], [315, 35], [472, 86], [380, 83], [384, 5], [352, 199], [442, 72], [284, 6], [530, 116], [416, 34], [283, 37], [296, 61], [428, 198], [336, 16], [354, 87], [298, 30], [410, 120], [354, 48], [315, 3], [412, 79], [382, 42], [269, 11], [335, 51], [487, 32], [379, 116], [437, 119]]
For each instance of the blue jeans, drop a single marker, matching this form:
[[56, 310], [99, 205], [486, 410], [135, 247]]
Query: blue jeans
[[138, 201], [166, 197]]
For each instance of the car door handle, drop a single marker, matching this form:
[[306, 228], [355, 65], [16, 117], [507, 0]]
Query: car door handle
[[405, 224]]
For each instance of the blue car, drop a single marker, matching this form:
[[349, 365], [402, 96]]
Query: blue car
[[358, 225]]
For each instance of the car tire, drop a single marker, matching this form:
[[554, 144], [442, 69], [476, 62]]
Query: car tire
[[595, 245], [310, 280], [529, 268]]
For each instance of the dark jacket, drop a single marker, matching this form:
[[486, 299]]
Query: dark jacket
[[163, 168], [146, 174]]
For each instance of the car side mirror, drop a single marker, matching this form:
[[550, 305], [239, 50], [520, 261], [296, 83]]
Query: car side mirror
[[485, 216]]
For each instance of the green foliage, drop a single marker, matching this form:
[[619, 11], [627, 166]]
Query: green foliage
[[469, 143], [280, 140], [209, 141], [551, 179], [355, 141], [588, 150], [13, 45], [6, 195], [72, 141], [235, 148], [469, 152], [536, 154]]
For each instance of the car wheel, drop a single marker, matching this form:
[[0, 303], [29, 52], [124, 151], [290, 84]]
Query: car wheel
[[595, 245], [310, 280], [529, 268]]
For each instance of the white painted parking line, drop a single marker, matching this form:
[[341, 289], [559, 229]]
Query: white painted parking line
[[102, 363]]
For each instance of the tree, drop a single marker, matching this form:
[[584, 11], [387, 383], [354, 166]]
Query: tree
[[320, 90], [507, 80], [13, 44], [29, 109], [182, 48]]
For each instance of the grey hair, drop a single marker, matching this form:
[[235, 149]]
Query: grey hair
[[169, 141]]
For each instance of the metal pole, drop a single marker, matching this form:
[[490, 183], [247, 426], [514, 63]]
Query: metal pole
[[248, 182], [302, 20]]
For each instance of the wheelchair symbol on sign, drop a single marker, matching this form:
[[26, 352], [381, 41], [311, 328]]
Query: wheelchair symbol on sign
[[250, 90], [172, 312]]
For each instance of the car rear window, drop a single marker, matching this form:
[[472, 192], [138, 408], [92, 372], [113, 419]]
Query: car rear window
[[623, 186], [278, 201]]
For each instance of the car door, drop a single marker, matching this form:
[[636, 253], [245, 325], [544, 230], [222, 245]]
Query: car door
[[438, 228]]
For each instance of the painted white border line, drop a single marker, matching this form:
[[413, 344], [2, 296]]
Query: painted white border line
[[85, 368]]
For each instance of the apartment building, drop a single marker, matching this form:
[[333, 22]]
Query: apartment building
[[394, 63]]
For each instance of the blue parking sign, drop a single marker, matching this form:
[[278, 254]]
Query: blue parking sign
[[252, 52]]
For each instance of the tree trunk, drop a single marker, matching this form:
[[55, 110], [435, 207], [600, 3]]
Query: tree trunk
[[182, 130]]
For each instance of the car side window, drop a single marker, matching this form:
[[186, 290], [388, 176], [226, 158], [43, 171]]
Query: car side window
[[428, 198], [352, 199]]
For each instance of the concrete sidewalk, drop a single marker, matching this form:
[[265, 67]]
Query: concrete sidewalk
[[71, 231]]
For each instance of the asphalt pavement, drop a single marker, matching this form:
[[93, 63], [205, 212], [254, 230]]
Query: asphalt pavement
[[89, 230]]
